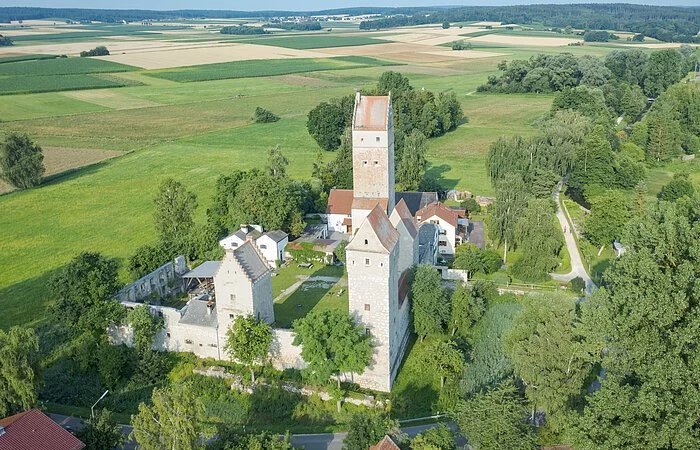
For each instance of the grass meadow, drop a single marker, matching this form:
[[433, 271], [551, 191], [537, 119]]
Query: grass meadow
[[199, 130]]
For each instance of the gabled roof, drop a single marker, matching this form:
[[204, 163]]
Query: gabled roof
[[371, 112], [340, 201], [376, 225], [200, 313], [437, 209], [34, 430], [385, 444], [416, 200], [251, 262], [276, 235], [403, 215], [205, 270]]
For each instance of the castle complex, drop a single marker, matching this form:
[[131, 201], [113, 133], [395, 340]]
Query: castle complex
[[383, 246]]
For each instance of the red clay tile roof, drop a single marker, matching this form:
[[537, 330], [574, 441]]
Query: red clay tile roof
[[385, 231], [370, 203], [340, 201], [402, 214], [34, 430], [347, 221], [440, 210], [385, 444], [371, 113]]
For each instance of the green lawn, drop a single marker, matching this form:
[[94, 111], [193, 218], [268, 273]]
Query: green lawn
[[61, 66], [311, 295], [49, 83]]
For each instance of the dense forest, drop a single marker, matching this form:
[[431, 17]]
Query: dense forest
[[676, 24]]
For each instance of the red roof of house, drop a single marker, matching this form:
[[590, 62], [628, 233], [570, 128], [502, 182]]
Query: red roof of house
[[34, 430], [340, 201], [385, 444], [440, 210]]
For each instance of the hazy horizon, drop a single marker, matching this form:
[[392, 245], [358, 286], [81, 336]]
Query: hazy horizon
[[301, 5]]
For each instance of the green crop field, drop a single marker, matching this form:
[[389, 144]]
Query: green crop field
[[49, 83], [316, 41], [263, 68], [61, 66], [10, 59]]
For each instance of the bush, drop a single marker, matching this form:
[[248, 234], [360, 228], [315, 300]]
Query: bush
[[578, 285], [97, 51], [461, 45], [262, 115], [472, 258], [21, 161], [471, 206], [5, 41]]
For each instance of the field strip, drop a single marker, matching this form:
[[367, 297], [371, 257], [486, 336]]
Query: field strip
[[528, 41], [110, 99], [171, 58], [59, 159], [465, 54]]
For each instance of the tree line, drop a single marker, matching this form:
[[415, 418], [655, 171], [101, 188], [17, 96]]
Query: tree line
[[243, 30], [672, 24]]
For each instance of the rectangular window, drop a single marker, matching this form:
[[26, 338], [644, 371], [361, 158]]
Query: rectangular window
[[377, 138], [189, 341], [231, 316], [263, 247], [234, 244], [167, 334], [366, 306], [366, 330], [212, 345], [443, 243], [233, 297], [366, 261]]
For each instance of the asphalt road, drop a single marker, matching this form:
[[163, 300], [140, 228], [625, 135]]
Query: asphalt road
[[328, 441]]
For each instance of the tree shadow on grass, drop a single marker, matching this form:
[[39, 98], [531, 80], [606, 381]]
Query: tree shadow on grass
[[438, 173], [26, 303]]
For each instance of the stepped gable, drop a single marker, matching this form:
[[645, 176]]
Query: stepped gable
[[376, 225], [250, 260], [371, 113], [402, 214]]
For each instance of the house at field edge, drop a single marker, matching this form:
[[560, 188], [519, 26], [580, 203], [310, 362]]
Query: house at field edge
[[384, 246], [34, 430], [271, 244]]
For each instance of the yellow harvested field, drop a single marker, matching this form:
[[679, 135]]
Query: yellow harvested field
[[165, 58], [58, 159], [486, 24], [661, 45], [465, 54], [110, 99], [527, 41], [407, 52], [39, 30]]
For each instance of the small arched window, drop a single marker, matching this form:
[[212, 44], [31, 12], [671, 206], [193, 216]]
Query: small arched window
[[366, 242]]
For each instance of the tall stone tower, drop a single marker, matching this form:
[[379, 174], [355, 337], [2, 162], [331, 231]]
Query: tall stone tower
[[372, 156]]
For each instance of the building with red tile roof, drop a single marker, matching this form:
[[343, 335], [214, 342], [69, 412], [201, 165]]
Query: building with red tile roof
[[34, 430]]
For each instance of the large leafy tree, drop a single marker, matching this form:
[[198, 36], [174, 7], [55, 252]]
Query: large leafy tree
[[549, 353], [19, 371], [436, 438], [609, 214], [646, 319], [145, 326], [276, 162], [21, 161], [430, 307], [411, 166], [172, 421], [332, 344], [173, 214], [678, 187], [81, 290], [367, 427], [539, 238], [326, 123], [102, 433], [495, 420], [465, 310], [336, 174], [511, 201], [443, 358], [594, 166], [248, 341], [664, 68]]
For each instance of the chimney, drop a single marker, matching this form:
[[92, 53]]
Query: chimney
[[210, 307]]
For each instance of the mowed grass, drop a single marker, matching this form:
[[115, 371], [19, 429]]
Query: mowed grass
[[315, 41], [61, 66], [10, 59], [31, 106], [263, 68]]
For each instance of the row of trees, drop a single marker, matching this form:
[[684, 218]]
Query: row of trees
[[664, 23], [243, 30], [100, 50], [432, 115], [630, 69]]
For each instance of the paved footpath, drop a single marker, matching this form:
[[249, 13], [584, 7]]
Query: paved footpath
[[577, 267]]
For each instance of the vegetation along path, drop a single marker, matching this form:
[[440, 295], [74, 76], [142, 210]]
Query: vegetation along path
[[577, 267]]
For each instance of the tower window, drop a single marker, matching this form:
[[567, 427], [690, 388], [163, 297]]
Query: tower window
[[377, 138], [364, 163], [366, 242], [231, 316], [189, 341], [366, 261], [376, 163], [367, 307], [233, 297], [366, 330]]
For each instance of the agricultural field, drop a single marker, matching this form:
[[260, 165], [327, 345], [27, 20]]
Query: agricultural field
[[190, 119]]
